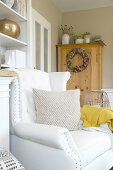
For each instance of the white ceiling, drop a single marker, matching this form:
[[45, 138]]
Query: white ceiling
[[75, 5]]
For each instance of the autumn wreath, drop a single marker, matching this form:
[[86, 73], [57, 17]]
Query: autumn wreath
[[70, 56]]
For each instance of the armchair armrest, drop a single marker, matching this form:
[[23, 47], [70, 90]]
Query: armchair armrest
[[48, 135], [52, 136]]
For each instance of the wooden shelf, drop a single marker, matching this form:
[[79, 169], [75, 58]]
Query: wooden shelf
[[4, 65], [6, 73], [9, 13], [6, 41], [81, 44]]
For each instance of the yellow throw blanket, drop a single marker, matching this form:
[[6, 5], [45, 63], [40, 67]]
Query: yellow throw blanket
[[94, 116]]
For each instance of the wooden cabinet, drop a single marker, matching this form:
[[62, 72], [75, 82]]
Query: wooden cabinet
[[91, 77]]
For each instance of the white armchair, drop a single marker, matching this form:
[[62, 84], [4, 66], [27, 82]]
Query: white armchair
[[45, 147]]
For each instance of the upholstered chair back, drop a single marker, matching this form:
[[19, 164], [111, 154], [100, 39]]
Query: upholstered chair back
[[22, 103]]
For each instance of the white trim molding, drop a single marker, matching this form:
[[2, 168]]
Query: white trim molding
[[44, 24], [4, 111]]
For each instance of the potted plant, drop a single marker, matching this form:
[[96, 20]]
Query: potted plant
[[66, 33], [79, 38]]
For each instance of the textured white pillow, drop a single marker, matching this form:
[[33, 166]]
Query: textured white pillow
[[58, 108]]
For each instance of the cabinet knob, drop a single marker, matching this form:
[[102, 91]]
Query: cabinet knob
[[76, 87]]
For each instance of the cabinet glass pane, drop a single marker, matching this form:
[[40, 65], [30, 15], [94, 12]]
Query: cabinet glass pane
[[45, 50], [38, 44]]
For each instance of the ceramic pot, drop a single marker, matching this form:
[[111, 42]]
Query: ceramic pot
[[79, 40], [9, 2], [65, 39], [9, 28]]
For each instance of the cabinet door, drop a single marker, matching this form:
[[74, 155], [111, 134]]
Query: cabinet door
[[41, 42], [96, 68], [87, 79]]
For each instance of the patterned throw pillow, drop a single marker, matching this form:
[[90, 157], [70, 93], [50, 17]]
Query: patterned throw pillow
[[58, 108], [8, 161]]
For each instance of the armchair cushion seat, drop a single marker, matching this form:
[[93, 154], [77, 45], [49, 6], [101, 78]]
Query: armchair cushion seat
[[91, 144]]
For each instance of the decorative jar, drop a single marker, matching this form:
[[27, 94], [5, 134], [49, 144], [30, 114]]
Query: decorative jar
[[9, 2], [65, 38], [9, 28]]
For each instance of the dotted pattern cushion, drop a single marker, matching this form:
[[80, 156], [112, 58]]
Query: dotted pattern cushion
[[58, 108], [8, 161]]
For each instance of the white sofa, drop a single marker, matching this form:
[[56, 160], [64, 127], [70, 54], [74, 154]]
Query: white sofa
[[43, 147]]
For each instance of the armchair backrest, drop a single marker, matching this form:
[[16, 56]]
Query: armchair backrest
[[22, 103]]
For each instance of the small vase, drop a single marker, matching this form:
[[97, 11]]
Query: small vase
[[9, 3], [65, 39]]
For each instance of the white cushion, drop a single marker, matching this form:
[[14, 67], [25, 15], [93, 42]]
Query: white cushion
[[91, 144], [58, 108]]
